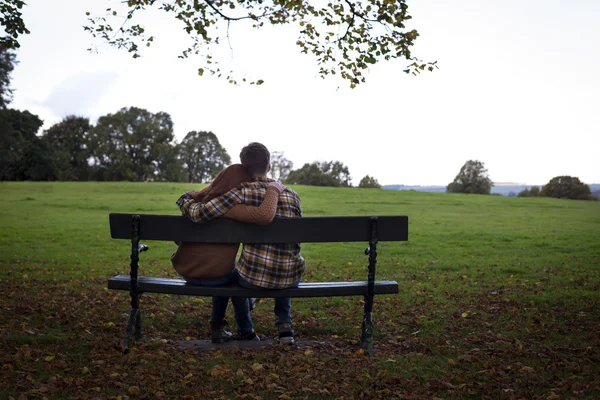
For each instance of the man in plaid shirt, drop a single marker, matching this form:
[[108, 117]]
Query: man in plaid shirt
[[270, 266]]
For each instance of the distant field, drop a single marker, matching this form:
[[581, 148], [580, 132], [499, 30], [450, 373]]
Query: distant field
[[486, 283]]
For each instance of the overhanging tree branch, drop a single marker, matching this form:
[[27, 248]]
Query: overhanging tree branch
[[380, 36]]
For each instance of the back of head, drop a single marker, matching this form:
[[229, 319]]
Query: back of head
[[226, 180], [256, 158]]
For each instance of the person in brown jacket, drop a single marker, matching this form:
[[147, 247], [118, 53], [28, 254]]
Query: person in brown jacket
[[210, 264]]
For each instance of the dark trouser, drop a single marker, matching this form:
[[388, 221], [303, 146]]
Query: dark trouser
[[241, 305], [283, 305]]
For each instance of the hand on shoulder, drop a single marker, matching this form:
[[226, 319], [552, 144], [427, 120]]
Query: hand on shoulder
[[277, 185]]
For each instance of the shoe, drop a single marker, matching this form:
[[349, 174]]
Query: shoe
[[249, 336], [218, 333], [253, 302], [286, 334]]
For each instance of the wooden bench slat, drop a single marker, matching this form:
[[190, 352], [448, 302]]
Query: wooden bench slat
[[281, 230], [309, 289]]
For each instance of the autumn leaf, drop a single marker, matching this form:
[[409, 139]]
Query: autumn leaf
[[133, 390], [257, 366], [49, 358]]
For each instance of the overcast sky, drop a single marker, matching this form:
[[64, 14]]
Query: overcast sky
[[518, 87]]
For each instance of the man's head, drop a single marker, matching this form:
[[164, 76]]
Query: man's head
[[256, 158]]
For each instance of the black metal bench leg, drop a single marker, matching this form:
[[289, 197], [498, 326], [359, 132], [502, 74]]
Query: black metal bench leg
[[366, 337], [134, 324], [134, 317], [138, 326]]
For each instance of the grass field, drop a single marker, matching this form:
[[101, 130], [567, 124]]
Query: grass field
[[499, 298]]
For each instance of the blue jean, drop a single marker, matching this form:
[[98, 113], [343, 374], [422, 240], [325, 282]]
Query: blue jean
[[283, 305], [241, 305]]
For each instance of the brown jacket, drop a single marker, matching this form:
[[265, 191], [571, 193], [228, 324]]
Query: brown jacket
[[212, 261]]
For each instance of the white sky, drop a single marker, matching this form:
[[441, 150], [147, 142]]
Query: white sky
[[518, 88]]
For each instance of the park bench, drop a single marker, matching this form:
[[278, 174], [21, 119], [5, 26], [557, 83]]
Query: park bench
[[282, 230]]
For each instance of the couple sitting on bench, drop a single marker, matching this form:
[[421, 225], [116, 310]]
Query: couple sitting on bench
[[243, 192]]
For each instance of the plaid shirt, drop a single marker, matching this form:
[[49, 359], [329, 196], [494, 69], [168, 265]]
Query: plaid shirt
[[272, 266]]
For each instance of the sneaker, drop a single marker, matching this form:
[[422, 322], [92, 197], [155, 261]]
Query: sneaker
[[249, 336], [218, 333], [286, 334]]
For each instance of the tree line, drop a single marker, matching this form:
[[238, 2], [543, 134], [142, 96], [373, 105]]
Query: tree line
[[473, 178], [562, 187], [132, 144]]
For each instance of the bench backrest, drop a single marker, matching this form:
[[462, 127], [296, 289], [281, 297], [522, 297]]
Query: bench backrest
[[281, 230]]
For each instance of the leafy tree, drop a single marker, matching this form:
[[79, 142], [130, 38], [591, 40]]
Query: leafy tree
[[23, 155], [68, 143], [170, 166], [280, 166], [339, 172], [472, 178], [12, 21], [345, 37], [202, 156], [369, 182], [130, 145], [566, 187], [7, 64], [321, 173], [533, 192]]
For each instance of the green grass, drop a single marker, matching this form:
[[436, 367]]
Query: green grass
[[489, 287]]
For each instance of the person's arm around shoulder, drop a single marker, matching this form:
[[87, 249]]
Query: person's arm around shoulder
[[203, 212], [262, 214]]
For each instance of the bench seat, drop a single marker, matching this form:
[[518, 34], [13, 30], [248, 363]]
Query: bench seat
[[310, 289]]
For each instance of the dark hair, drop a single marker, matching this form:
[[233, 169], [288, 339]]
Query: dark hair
[[256, 158], [227, 179]]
